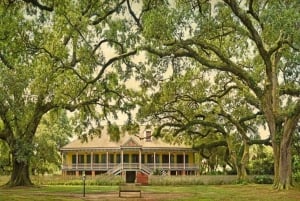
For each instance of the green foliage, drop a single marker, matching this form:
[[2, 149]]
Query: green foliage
[[262, 162], [53, 132], [155, 20], [263, 179], [72, 55], [114, 132], [174, 193], [296, 168], [157, 172], [191, 180], [5, 159], [99, 180]]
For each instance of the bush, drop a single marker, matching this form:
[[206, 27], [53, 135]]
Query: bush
[[296, 177], [191, 180], [106, 180], [263, 179]]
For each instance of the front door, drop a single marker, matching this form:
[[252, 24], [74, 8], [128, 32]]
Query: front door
[[130, 176]]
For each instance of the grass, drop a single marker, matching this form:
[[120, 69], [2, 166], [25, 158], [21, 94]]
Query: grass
[[70, 189], [179, 193]]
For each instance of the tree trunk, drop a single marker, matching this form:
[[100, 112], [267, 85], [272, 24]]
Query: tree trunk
[[285, 165], [285, 159], [276, 156], [20, 174], [244, 161], [239, 166]]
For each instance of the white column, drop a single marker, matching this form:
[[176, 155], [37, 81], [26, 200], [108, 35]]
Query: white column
[[62, 159], [92, 160], [76, 160], [107, 160], [154, 158], [122, 158], [184, 160], [140, 159], [169, 161]]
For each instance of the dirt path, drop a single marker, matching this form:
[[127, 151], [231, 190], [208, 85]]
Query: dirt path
[[114, 196]]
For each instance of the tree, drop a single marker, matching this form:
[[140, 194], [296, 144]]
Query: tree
[[53, 132], [249, 41], [296, 154], [60, 55], [207, 115], [262, 161], [5, 156]]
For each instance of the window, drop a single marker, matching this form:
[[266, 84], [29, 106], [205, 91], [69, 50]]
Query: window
[[135, 158], [73, 159], [80, 158], [126, 158], [111, 158], [148, 136], [96, 158], [165, 158], [88, 158], [157, 158], [103, 158], [186, 158], [150, 158], [179, 158], [172, 158], [118, 158]]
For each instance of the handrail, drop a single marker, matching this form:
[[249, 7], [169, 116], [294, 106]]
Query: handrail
[[112, 167]]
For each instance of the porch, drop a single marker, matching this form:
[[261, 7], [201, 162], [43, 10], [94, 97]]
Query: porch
[[117, 168]]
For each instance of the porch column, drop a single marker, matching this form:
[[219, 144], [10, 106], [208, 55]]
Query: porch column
[[76, 160], [154, 158], [77, 172], [91, 160], [184, 163], [92, 168], [140, 159], [62, 163], [122, 158], [169, 161], [107, 160], [62, 160]]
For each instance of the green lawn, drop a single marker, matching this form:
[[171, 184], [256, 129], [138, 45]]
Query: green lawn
[[183, 193]]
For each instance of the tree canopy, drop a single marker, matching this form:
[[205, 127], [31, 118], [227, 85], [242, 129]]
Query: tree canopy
[[251, 42], [71, 55], [78, 56]]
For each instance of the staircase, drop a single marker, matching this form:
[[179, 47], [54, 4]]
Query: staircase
[[130, 167]]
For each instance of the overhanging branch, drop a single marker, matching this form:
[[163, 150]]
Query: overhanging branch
[[37, 4]]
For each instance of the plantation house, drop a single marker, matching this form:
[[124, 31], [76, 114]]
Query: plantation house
[[131, 155]]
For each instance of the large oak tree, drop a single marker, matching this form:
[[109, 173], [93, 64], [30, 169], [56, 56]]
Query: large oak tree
[[59, 54], [256, 42], [206, 112]]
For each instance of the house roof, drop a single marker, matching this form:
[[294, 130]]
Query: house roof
[[126, 141]]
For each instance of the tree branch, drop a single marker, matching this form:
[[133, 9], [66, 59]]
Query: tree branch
[[290, 90], [255, 36], [109, 62], [36, 3], [108, 13], [213, 144], [136, 19], [254, 14], [5, 62]]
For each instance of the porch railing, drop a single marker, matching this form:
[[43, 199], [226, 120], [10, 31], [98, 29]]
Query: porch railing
[[113, 167]]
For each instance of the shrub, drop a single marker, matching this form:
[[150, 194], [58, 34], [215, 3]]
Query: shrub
[[263, 179], [296, 177], [73, 180], [191, 180]]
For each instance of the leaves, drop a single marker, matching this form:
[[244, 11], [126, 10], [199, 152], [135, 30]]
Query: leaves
[[53, 133], [68, 57]]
